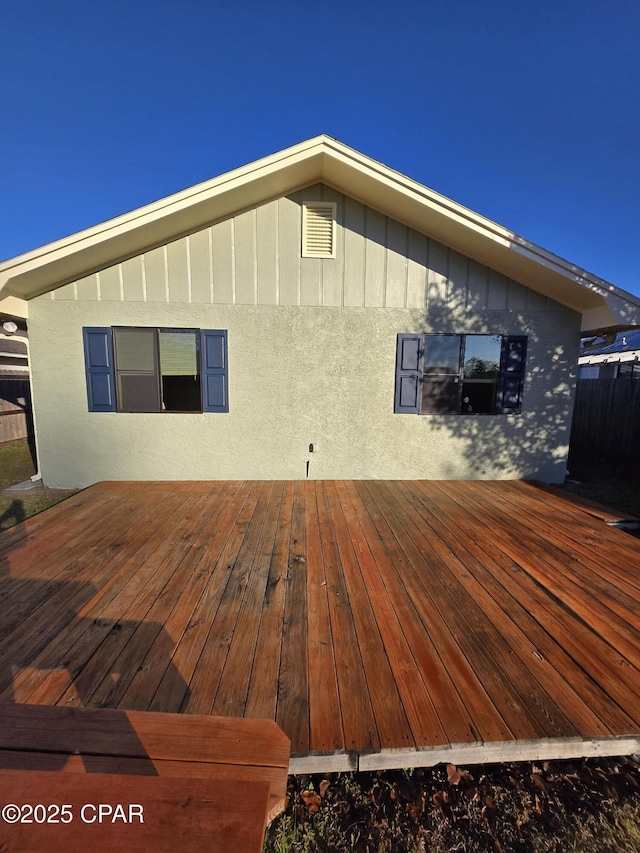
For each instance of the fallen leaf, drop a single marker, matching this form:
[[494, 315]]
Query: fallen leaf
[[456, 776], [311, 800], [538, 781], [489, 815], [412, 810], [453, 775], [441, 800]]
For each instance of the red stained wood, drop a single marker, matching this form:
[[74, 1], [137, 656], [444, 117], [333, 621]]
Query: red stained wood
[[176, 814], [361, 616], [327, 731], [226, 775], [292, 686]]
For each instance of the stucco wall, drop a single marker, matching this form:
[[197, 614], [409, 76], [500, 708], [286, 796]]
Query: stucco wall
[[299, 375], [311, 357]]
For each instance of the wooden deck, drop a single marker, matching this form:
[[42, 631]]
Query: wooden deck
[[380, 624]]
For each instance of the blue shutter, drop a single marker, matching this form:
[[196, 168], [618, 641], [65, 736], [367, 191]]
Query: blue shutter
[[98, 362], [214, 370], [512, 367], [408, 374]]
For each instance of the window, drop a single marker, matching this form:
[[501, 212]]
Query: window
[[142, 369], [589, 371], [459, 374], [628, 370]]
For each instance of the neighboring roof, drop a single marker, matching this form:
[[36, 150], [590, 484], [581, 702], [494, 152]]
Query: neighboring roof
[[321, 159], [13, 347], [626, 347], [14, 361]]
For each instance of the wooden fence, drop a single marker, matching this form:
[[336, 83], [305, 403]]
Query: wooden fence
[[606, 418], [15, 410]]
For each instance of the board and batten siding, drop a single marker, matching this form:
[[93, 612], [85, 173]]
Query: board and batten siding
[[254, 258], [311, 357]]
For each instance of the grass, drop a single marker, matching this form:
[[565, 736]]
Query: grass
[[16, 466], [560, 807], [16, 463]]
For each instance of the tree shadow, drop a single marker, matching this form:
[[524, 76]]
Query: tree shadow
[[530, 444], [463, 296]]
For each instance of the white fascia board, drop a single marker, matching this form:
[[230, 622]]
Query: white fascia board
[[615, 310], [465, 231], [610, 358], [321, 159], [87, 251]]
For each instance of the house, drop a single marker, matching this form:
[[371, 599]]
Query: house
[[15, 419], [612, 357], [313, 314]]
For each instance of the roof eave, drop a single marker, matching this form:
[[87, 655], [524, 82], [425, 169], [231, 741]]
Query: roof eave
[[321, 159]]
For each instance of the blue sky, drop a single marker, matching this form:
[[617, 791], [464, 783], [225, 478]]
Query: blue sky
[[528, 113]]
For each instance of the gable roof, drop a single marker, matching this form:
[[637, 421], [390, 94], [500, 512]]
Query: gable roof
[[321, 160]]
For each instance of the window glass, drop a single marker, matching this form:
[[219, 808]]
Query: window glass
[[441, 354], [440, 396], [179, 370], [137, 380], [482, 356], [178, 353], [135, 349], [479, 397]]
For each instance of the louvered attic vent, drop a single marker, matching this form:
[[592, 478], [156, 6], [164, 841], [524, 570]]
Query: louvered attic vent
[[318, 229]]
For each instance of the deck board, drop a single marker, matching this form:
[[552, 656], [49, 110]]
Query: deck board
[[355, 703], [499, 637], [388, 714], [325, 720], [501, 599], [378, 623], [601, 671], [292, 707]]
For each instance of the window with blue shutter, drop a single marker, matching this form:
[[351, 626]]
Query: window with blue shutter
[[451, 374], [98, 360], [215, 380], [146, 369]]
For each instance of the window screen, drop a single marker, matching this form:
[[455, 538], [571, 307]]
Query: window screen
[[137, 378]]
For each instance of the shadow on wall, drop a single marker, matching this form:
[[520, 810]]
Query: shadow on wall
[[463, 297], [533, 443]]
